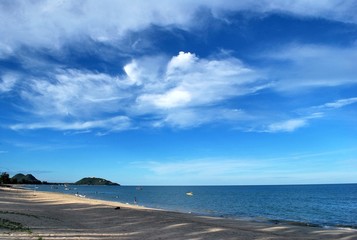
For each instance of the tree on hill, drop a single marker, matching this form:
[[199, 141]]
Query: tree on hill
[[5, 178], [25, 179], [94, 181]]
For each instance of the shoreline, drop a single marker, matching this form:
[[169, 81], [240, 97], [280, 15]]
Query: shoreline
[[52, 215], [270, 221]]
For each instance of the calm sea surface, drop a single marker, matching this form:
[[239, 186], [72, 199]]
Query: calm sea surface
[[322, 205]]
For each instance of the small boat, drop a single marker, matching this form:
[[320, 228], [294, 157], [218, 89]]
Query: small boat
[[189, 193]]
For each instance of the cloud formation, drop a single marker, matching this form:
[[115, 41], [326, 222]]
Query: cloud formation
[[219, 171], [290, 125], [313, 66], [292, 168], [74, 93], [316, 112], [67, 21], [190, 81], [340, 103], [7, 82], [159, 90], [118, 123], [186, 91], [286, 126]]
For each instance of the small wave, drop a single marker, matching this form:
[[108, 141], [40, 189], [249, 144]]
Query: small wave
[[342, 226], [309, 224], [295, 223]]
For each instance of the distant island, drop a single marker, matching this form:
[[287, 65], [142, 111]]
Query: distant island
[[24, 179], [95, 181], [30, 179]]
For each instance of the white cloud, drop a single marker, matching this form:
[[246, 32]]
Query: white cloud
[[133, 73], [326, 108], [312, 66], [75, 100], [75, 93], [23, 21], [174, 98], [330, 9], [191, 81], [7, 82], [287, 126], [291, 125], [192, 117], [186, 93], [118, 123], [182, 62], [75, 20], [340, 103], [182, 91]]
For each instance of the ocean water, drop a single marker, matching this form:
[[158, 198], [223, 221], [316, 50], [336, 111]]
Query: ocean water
[[332, 205]]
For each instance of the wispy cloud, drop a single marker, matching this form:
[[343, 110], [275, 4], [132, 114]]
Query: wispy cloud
[[190, 86], [7, 82], [313, 66], [200, 171], [70, 20], [340, 103], [291, 125], [74, 93], [41, 146], [295, 168], [316, 155], [182, 91], [114, 124], [286, 126], [190, 81]]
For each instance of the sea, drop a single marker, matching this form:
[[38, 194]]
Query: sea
[[327, 206]]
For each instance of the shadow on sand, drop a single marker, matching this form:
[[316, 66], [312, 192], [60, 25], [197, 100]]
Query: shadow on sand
[[62, 217]]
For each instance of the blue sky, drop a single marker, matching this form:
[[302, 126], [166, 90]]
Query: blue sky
[[179, 92]]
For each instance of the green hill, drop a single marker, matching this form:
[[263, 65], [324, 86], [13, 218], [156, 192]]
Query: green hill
[[25, 179], [94, 181]]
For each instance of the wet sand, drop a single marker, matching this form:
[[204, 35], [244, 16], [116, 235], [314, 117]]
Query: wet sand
[[60, 216]]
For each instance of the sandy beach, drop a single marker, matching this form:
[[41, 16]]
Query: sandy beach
[[48, 216]]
